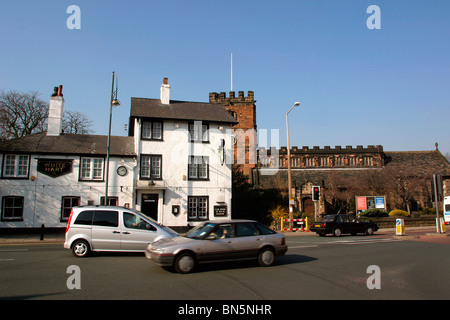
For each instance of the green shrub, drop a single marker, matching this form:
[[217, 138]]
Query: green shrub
[[427, 211], [398, 212], [374, 213]]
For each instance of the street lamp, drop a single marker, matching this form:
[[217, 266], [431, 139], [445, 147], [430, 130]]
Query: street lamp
[[291, 199], [113, 103]]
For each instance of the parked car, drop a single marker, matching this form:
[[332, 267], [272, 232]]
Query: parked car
[[107, 228], [218, 241], [338, 224]]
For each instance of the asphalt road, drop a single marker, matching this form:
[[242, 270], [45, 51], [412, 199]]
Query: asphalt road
[[313, 268]]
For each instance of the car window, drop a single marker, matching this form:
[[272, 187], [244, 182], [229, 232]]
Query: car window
[[263, 229], [85, 217], [224, 231], [106, 218], [342, 218], [352, 219], [246, 229], [133, 221]]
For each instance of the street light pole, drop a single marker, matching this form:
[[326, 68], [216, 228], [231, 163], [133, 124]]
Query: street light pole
[[291, 200], [113, 103]]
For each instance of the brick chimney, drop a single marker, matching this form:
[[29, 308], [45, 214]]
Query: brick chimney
[[55, 112], [165, 92]]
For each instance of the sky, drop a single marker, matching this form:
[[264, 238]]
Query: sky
[[356, 85]]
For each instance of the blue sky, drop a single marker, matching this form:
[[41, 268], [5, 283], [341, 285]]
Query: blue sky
[[356, 86]]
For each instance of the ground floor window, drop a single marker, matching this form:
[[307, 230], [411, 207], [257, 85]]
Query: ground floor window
[[198, 208], [66, 206], [112, 201], [12, 208]]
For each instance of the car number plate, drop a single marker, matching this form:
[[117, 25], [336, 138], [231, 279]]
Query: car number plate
[[317, 225]]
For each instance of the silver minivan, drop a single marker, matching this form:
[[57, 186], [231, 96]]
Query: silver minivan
[[107, 228]]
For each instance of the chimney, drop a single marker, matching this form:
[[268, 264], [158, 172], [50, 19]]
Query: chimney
[[165, 92], [55, 112]]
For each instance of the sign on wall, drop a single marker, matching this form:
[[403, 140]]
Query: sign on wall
[[54, 167], [370, 202]]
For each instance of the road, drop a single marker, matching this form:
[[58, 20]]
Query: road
[[313, 268]]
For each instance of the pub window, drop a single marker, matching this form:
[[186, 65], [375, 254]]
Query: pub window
[[197, 208], [91, 169], [151, 166], [152, 130], [16, 166], [66, 206], [112, 201], [198, 131], [198, 168], [12, 208]]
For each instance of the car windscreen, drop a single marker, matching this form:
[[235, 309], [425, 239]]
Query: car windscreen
[[200, 231]]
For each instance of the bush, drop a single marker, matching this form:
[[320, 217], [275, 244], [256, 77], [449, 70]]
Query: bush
[[398, 212], [374, 213]]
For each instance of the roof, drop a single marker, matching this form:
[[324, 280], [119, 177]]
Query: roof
[[421, 162], [77, 144], [180, 110]]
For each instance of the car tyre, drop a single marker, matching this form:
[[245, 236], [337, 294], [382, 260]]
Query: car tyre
[[369, 231], [81, 249], [266, 257], [185, 263], [337, 232]]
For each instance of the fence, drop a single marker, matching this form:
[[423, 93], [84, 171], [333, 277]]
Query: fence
[[299, 224]]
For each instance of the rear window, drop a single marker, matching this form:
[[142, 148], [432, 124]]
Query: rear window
[[106, 218], [263, 229], [246, 229], [85, 217]]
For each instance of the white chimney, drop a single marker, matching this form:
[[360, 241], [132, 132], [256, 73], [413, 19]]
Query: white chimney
[[55, 113], [165, 92]]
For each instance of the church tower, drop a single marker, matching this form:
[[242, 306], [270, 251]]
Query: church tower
[[243, 109]]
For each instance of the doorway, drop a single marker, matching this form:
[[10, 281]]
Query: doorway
[[149, 205]]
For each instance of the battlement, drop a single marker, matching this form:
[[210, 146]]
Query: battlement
[[222, 98]]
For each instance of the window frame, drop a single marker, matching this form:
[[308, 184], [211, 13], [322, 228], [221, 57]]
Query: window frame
[[150, 167], [92, 169], [151, 129], [193, 129], [63, 217], [16, 166], [197, 162], [14, 207], [195, 200]]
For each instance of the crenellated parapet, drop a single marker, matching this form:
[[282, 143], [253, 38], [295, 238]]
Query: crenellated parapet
[[326, 157]]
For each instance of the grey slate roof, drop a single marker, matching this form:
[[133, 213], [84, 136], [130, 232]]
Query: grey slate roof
[[74, 144], [180, 110]]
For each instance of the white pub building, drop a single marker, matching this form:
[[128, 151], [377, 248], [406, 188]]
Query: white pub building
[[173, 166]]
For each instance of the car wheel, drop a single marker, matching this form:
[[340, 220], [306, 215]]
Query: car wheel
[[184, 263], [81, 248], [369, 231], [266, 257], [337, 232]]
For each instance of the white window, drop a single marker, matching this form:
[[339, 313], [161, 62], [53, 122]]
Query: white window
[[16, 166], [199, 131], [198, 208], [151, 167], [152, 130], [91, 169], [198, 168]]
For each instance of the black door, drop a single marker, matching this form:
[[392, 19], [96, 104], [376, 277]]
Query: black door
[[149, 205]]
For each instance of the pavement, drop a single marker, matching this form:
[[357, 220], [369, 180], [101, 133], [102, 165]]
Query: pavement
[[411, 233]]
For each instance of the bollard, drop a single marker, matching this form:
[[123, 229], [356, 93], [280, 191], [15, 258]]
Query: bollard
[[42, 231], [400, 227], [442, 223]]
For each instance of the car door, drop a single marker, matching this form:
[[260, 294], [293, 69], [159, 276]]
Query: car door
[[106, 232], [218, 245], [137, 232], [247, 241], [355, 225]]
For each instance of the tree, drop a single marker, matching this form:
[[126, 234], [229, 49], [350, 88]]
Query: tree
[[76, 122], [22, 114]]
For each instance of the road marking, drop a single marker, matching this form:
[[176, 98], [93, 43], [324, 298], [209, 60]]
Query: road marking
[[6, 259], [14, 250]]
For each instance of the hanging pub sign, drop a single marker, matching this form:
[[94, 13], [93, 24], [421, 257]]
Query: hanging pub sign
[[54, 167]]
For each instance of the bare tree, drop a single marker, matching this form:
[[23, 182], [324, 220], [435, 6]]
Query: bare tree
[[76, 122], [21, 114]]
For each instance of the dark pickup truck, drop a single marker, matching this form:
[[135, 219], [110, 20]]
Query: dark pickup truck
[[338, 224]]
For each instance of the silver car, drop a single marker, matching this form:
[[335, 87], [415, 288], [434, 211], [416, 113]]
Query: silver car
[[107, 228], [218, 241]]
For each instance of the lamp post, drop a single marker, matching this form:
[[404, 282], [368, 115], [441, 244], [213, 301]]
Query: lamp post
[[113, 103], [291, 200]]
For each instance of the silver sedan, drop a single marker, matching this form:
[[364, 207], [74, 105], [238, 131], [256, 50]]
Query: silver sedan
[[218, 241]]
